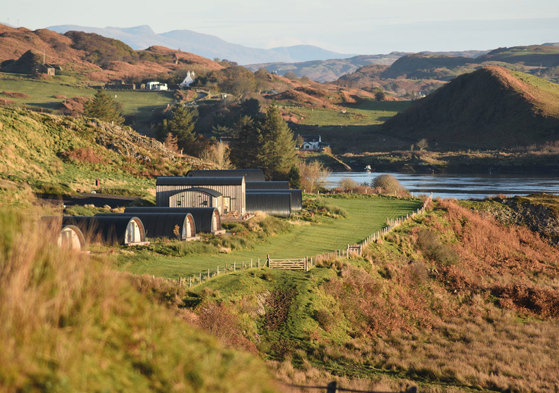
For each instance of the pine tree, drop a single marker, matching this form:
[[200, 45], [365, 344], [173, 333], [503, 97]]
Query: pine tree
[[277, 154], [245, 142], [102, 106], [182, 125]]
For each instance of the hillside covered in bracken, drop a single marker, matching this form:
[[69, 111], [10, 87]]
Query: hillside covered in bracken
[[490, 108], [453, 301], [97, 57]]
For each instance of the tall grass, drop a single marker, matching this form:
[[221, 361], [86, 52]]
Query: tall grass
[[69, 324]]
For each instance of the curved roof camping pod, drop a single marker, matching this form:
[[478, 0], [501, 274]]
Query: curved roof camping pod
[[163, 225], [249, 174], [296, 197], [207, 219], [120, 229], [197, 197], [270, 202], [267, 185], [71, 238]]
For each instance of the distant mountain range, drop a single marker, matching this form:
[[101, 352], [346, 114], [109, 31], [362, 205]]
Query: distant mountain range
[[142, 37]]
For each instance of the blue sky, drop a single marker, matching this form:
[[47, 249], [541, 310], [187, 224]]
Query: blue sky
[[349, 26]]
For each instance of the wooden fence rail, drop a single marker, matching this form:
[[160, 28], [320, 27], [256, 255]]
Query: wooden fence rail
[[333, 387], [304, 263], [290, 263]]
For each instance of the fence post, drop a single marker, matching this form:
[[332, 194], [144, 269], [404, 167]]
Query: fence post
[[258, 263], [200, 277], [267, 260], [251, 263], [234, 266], [208, 273], [332, 387], [189, 281]]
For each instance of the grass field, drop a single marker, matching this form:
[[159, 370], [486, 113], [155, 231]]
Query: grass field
[[364, 216], [368, 112], [137, 106]]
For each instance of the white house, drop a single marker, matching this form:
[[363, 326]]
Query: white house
[[312, 143], [155, 85], [188, 80]]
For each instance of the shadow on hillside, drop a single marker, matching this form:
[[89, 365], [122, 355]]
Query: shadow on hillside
[[353, 139]]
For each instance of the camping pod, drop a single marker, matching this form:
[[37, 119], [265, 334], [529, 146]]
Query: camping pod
[[206, 219], [296, 196], [179, 226], [71, 237], [270, 202], [114, 229], [267, 185], [248, 174]]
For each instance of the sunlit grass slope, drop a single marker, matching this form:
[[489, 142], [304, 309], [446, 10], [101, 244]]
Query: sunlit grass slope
[[70, 324]]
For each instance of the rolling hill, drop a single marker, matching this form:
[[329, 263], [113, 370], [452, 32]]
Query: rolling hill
[[57, 154], [491, 108], [141, 37], [93, 56]]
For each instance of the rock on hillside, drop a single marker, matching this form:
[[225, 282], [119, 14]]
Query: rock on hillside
[[491, 108]]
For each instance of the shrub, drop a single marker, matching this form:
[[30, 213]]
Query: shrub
[[388, 184], [429, 243], [348, 184]]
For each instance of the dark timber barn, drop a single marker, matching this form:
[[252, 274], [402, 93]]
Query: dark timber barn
[[270, 202], [248, 174], [126, 230], [170, 192], [174, 225], [267, 185], [206, 219], [296, 197]]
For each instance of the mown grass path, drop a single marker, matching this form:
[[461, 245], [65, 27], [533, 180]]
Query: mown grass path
[[364, 216]]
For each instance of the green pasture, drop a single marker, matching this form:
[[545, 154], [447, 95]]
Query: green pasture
[[137, 106], [367, 112], [364, 217]]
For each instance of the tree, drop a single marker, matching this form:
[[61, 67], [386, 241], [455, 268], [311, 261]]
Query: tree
[[380, 95], [182, 125], [313, 175], [294, 177], [245, 142], [218, 154], [277, 154], [102, 106]]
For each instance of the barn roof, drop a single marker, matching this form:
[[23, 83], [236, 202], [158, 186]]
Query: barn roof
[[158, 224], [261, 185], [269, 201], [208, 191], [109, 229], [296, 196], [249, 174], [198, 181], [202, 215]]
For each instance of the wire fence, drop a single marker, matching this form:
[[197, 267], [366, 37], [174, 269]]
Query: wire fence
[[303, 263]]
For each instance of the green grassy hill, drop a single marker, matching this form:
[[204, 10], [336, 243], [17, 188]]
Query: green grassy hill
[[71, 324], [48, 153], [491, 108], [452, 301]]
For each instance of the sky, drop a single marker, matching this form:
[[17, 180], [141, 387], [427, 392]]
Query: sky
[[346, 26]]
